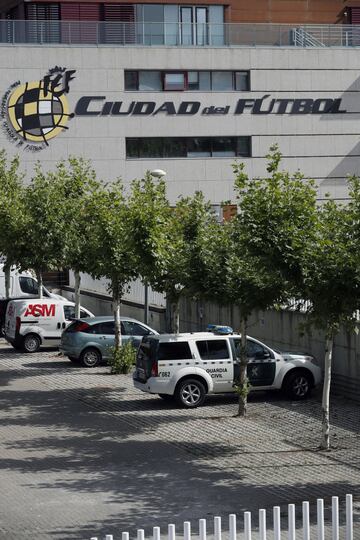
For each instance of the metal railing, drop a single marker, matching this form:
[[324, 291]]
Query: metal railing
[[177, 34]]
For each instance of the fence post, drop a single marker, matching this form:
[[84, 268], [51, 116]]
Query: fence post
[[202, 529], [217, 528], [306, 520], [187, 530], [320, 519], [247, 525], [277, 523], [232, 527], [291, 522], [349, 517], [156, 533], [262, 524], [335, 517]]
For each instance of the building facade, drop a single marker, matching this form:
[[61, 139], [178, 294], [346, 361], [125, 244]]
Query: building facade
[[187, 88]]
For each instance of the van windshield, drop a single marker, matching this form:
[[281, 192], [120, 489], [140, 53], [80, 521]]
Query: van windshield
[[28, 285]]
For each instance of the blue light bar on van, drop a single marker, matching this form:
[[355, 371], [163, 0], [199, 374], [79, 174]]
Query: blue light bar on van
[[218, 329]]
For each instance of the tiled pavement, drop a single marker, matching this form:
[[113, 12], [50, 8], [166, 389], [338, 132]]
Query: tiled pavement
[[82, 453]]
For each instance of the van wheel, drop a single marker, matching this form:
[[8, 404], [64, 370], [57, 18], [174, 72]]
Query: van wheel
[[90, 357], [190, 393], [297, 385], [32, 343]]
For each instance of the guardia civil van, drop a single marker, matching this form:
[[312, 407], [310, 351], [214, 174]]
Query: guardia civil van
[[187, 367]]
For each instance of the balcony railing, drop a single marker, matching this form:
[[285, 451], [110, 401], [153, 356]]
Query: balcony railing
[[177, 34]]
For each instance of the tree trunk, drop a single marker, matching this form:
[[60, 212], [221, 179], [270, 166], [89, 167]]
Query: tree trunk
[[242, 384], [77, 293], [325, 407], [7, 271], [40, 283], [116, 310], [176, 316]]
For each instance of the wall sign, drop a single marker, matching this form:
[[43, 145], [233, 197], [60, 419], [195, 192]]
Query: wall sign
[[35, 112]]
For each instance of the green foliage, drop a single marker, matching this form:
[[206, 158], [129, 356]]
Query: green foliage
[[242, 389], [12, 210], [122, 359]]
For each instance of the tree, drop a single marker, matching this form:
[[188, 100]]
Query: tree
[[43, 230], [331, 281], [232, 275], [276, 219], [12, 213], [111, 248], [76, 180], [178, 270]]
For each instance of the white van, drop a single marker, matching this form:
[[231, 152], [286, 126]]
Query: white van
[[23, 284], [34, 322]]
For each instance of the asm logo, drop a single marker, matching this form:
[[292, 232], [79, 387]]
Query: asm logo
[[40, 310]]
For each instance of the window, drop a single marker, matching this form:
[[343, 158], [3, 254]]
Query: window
[[134, 329], [69, 313], [179, 350], [222, 80], [150, 80], [131, 80], [174, 81], [187, 147], [217, 81], [28, 285], [252, 348], [216, 349], [242, 80], [103, 328]]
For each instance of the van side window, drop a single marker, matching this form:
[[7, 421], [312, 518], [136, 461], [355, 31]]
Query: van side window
[[179, 350], [69, 313], [28, 285], [216, 349]]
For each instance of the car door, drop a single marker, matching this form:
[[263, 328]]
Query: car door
[[216, 359], [261, 366], [134, 332], [105, 334]]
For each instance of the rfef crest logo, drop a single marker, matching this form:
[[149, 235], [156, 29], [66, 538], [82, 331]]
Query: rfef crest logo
[[35, 112]]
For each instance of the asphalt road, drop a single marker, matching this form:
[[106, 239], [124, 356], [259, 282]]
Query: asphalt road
[[84, 454]]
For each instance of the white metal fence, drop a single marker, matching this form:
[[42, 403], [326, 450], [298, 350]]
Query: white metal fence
[[280, 526]]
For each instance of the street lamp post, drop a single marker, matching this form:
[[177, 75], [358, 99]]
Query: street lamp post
[[156, 173]]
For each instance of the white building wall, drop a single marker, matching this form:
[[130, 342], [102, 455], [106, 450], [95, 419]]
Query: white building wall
[[323, 146]]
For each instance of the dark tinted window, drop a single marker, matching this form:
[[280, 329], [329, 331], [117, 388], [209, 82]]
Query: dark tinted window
[[134, 329], [174, 351], [213, 349], [252, 348], [69, 313], [103, 328], [28, 285]]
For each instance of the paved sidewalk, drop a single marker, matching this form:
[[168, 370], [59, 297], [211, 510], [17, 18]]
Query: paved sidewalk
[[83, 453]]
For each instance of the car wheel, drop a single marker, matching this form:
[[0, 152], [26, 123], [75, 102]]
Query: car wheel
[[190, 393], [90, 358], [297, 385], [2, 330], [32, 343], [166, 397]]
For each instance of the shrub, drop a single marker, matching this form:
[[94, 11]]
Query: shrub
[[122, 360]]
